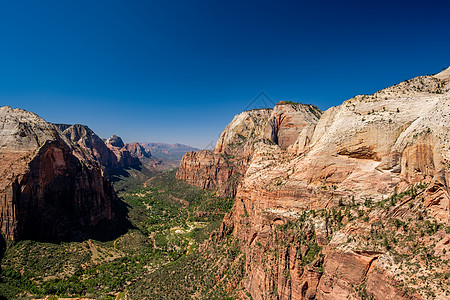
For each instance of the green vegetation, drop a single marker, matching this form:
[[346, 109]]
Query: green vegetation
[[174, 250], [398, 226], [170, 218], [195, 274], [404, 232], [287, 102]]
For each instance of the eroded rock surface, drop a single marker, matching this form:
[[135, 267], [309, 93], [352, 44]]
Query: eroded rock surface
[[125, 159], [224, 167], [50, 188], [138, 150], [95, 147], [345, 164]]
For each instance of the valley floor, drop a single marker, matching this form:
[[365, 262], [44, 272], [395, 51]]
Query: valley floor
[[158, 258], [175, 250]]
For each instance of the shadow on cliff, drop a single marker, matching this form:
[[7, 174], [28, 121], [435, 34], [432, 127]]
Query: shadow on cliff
[[105, 230], [2, 253], [109, 230], [131, 178], [2, 246], [118, 174], [62, 199]]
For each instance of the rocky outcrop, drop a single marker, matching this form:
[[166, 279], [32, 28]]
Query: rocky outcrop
[[138, 150], [125, 159], [224, 167], [115, 141], [342, 166], [113, 155], [290, 121], [51, 188], [92, 144], [209, 170]]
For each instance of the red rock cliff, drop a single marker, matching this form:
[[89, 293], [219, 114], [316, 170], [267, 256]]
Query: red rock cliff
[[49, 189], [125, 158], [224, 167], [91, 144], [321, 216]]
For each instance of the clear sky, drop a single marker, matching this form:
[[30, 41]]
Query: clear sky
[[178, 71]]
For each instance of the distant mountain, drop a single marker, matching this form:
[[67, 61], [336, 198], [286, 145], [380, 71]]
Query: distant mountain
[[125, 158], [138, 150], [112, 154], [91, 143], [168, 152]]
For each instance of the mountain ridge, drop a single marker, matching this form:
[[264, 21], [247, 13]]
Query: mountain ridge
[[346, 171], [50, 188]]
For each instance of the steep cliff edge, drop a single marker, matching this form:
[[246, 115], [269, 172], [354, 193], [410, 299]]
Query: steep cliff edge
[[138, 150], [355, 207], [92, 144], [113, 154], [125, 159], [224, 167], [51, 188]]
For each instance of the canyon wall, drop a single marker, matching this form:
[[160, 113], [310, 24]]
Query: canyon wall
[[91, 144], [50, 188], [125, 159], [224, 167], [371, 175], [113, 155]]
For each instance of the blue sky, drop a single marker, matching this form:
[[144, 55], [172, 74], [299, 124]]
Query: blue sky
[[178, 71]]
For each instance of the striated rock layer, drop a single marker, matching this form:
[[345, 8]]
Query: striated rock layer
[[224, 167], [91, 144], [351, 159], [113, 155], [50, 188], [125, 158]]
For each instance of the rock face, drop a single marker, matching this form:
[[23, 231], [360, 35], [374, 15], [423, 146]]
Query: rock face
[[115, 141], [224, 167], [125, 159], [341, 166], [51, 188], [113, 155], [91, 143], [138, 150], [288, 121]]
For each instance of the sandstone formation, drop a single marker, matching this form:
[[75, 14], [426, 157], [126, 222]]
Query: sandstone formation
[[95, 147], [138, 150], [146, 159], [223, 167], [50, 188], [114, 155], [368, 173], [125, 159]]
